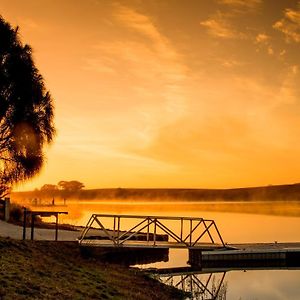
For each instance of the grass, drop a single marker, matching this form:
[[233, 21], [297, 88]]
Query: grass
[[56, 270]]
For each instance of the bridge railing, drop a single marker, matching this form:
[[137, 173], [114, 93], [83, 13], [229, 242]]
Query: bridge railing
[[156, 231]]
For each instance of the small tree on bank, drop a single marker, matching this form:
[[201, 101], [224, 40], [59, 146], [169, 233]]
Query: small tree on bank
[[26, 111], [49, 190], [70, 186]]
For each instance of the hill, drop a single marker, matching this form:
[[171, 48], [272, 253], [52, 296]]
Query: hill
[[288, 192]]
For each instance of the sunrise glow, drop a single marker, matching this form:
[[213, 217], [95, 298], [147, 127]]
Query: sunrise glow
[[168, 93]]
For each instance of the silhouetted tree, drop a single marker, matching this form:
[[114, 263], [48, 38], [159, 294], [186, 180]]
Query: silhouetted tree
[[26, 110], [49, 187], [49, 190], [70, 186]]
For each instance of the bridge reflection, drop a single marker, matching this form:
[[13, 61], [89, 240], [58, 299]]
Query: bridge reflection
[[208, 283], [209, 286]]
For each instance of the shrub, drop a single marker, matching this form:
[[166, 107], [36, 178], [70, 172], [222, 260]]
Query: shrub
[[16, 213]]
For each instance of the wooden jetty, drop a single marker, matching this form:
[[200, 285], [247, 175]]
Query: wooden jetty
[[32, 216]]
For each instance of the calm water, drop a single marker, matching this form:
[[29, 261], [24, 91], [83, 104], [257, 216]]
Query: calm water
[[238, 285], [238, 223]]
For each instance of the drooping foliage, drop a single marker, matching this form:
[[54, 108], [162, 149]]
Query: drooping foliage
[[26, 110]]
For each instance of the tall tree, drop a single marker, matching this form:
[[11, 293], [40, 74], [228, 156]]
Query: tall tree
[[26, 110]]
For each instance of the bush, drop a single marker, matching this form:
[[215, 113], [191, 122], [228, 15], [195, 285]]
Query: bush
[[16, 213]]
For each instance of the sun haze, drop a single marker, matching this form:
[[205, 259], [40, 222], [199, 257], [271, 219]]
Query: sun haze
[[168, 93]]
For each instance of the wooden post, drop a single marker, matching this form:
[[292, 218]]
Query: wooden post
[[181, 228], [118, 233], [32, 226], [114, 227], [191, 231], [56, 227], [148, 221], [24, 223], [6, 209], [154, 234]]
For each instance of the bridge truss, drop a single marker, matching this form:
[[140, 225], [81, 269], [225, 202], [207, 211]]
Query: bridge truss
[[104, 230]]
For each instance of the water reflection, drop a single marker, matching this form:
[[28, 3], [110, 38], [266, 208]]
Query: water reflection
[[208, 286], [233, 282], [261, 279]]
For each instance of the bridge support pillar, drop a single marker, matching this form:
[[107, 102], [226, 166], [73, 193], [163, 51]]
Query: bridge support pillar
[[195, 257]]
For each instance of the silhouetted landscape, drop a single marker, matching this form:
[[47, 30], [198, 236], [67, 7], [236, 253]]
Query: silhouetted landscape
[[287, 192]]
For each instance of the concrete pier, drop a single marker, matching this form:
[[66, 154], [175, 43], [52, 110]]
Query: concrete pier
[[245, 253]]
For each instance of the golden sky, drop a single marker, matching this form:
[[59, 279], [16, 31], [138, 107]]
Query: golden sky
[[168, 93]]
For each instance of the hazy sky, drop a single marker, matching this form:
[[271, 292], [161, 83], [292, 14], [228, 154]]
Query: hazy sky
[[168, 93]]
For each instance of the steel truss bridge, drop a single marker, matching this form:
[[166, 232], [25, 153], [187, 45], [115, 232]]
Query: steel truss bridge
[[104, 230]]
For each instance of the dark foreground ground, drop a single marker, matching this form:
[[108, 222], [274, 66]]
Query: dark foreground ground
[[56, 270]]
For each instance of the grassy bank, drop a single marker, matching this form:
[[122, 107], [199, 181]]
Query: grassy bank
[[49, 270]]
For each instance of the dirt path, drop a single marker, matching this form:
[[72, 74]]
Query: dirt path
[[16, 232]]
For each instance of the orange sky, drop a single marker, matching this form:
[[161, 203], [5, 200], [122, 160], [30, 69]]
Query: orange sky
[[168, 93]]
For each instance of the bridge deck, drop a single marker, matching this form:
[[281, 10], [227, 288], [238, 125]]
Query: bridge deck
[[149, 244]]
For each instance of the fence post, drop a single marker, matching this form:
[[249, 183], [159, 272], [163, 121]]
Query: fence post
[[6, 209], [24, 223], [154, 234], [32, 226], [56, 227]]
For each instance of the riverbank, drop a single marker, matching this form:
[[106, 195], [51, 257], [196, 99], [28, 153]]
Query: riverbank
[[56, 270], [284, 192]]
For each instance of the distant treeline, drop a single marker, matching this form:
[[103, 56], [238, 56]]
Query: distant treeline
[[272, 193]]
